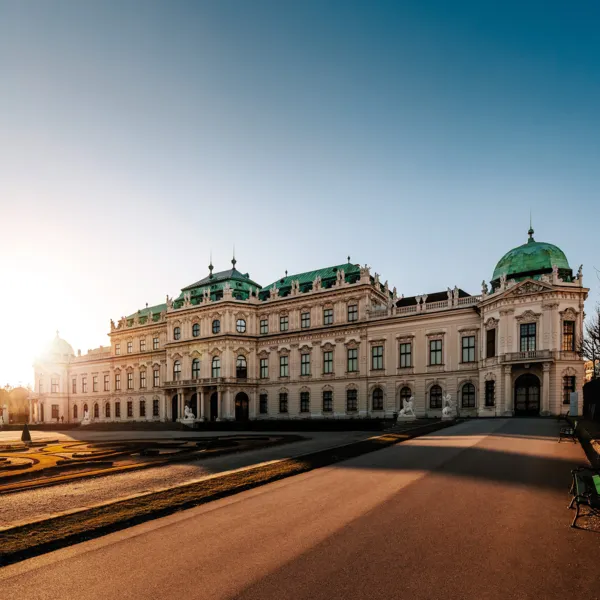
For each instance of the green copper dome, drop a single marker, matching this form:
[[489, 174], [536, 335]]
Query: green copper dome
[[532, 260]]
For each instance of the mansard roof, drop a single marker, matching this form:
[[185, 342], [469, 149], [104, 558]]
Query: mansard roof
[[328, 277], [221, 277]]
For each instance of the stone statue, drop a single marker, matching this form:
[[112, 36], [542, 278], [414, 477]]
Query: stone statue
[[455, 293], [580, 272], [449, 410], [112, 324], [273, 293], [484, 288], [503, 281], [188, 414], [407, 408], [394, 294], [449, 294], [86, 418], [169, 303], [317, 283]]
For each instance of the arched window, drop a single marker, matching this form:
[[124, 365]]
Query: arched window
[[435, 397], [196, 368], [176, 370], [177, 333], [405, 395], [216, 366], [195, 329], [377, 399], [241, 326], [468, 395], [216, 326], [85, 408], [142, 408], [107, 410], [75, 411], [241, 368], [96, 411]]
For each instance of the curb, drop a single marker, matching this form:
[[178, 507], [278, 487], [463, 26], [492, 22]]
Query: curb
[[27, 540]]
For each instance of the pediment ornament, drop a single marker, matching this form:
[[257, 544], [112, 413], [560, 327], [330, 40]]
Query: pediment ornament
[[530, 287], [528, 316]]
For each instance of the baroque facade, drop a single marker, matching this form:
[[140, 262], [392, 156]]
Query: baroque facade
[[332, 343]]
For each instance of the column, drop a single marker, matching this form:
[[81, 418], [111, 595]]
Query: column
[[201, 396], [546, 389], [229, 411], [508, 392], [179, 404]]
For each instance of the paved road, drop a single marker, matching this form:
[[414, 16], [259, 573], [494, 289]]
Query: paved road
[[22, 507], [476, 511]]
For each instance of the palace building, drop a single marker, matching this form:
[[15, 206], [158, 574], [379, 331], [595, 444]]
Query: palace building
[[336, 342]]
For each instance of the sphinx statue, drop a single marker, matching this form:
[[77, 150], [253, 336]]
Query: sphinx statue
[[407, 412]]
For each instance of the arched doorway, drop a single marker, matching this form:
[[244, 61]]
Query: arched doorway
[[174, 403], [214, 406], [193, 404], [42, 413], [527, 395], [242, 407]]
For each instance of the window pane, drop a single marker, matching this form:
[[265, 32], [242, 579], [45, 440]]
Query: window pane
[[405, 355], [491, 343], [327, 401]]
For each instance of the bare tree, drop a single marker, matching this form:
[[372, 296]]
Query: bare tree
[[589, 346]]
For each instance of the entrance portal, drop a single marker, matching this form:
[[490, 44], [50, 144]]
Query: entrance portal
[[174, 403], [527, 396], [242, 404], [214, 406], [194, 405]]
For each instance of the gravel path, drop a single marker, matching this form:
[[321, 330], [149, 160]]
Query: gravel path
[[44, 502]]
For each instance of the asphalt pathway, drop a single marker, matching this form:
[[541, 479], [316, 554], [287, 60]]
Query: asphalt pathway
[[478, 510]]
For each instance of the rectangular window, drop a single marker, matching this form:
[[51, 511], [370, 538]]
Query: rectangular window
[[304, 402], [156, 374], [264, 326], [528, 342], [143, 345], [84, 385], [54, 386], [328, 316], [284, 323], [129, 347], [435, 352], [490, 392], [117, 349], [142, 408], [95, 383], [352, 312], [130, 408], [327, 401], [351, 400], [490, 350], [468, 348], [568, 387], [74, 385], [129, 381], [55, 411], [328, 362], [155, 409], [352, 360], [263, 404], [305, 320], [568, 343], [264, 368], [283, 402], [283, 366], [305, 364], [405, 355], [107, 383], [377, 358], [118, 410], [155, 344], [142, 379], [117, 381]]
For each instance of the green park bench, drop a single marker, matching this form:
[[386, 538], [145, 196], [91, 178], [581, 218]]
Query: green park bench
[[586, 490], [568, 432]]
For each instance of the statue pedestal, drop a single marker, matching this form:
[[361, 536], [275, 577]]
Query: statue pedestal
[[407, 418], [448, 417], [85, 422], [188, 422]]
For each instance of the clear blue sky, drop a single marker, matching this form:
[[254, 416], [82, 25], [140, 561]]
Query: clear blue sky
[[415, 136]]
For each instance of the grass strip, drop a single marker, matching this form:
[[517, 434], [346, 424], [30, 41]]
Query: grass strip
[[25, 541]]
